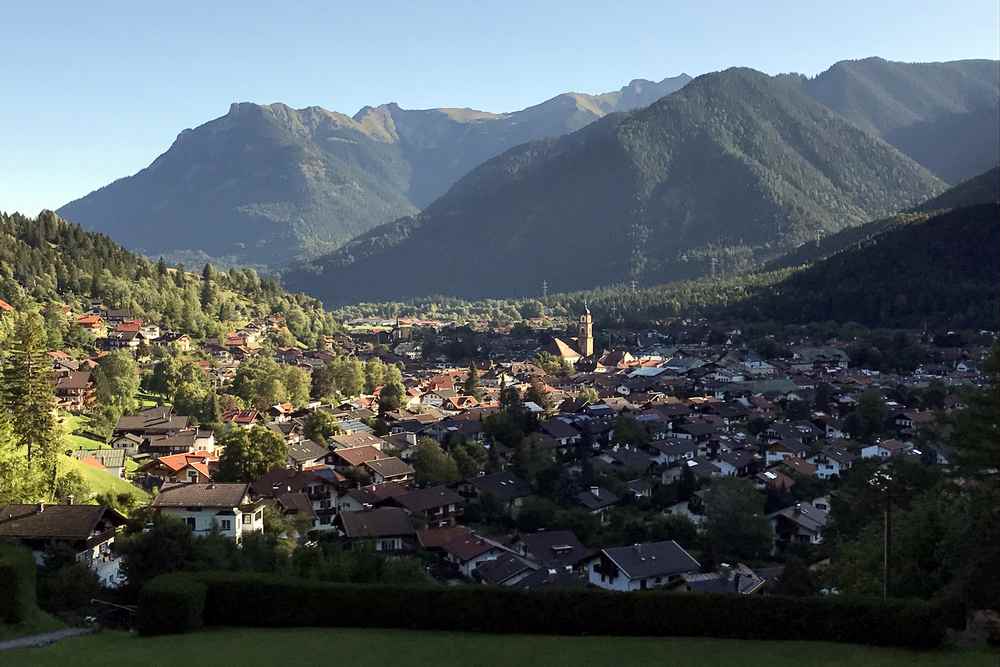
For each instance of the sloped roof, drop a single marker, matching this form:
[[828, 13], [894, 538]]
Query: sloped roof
[[64, 522]]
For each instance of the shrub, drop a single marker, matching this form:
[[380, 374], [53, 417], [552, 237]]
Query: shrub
[[268, 601], [17, 572], [171, 603]]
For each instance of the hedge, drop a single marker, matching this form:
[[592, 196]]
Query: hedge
[[17, 574], [240, 599], [171, 603]]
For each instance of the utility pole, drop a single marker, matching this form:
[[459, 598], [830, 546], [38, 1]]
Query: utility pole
[[715, 266], [882, 481]]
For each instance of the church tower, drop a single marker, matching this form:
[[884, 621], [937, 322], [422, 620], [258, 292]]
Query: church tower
[[585, 334]]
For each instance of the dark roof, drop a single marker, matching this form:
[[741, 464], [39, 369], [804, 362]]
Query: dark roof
[[546, 579], [652, 559], [296, 503], [390, 467], [153, 420], [504, 486], [555, 548], [604, 498], [381, 522], [306, 450], [502, 568], [62, 522], [201, 495], [559, 429], [425, 499]]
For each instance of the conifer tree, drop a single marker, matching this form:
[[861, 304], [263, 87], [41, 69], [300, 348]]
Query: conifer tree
[[29, 397]]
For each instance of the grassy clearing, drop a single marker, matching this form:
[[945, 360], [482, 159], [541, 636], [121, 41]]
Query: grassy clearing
[[74, 426], [376, 648], [99, 481]]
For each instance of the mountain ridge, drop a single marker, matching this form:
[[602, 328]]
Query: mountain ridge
[[666, 174], [265, 183]]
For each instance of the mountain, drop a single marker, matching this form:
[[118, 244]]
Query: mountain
[[267, 183], [735, 165], [943, 115], [983, 189], [943, 270]]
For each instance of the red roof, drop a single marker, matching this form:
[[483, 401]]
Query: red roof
[[6, 307]]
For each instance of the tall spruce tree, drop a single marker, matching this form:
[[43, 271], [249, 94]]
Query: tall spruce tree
[[29, 397]]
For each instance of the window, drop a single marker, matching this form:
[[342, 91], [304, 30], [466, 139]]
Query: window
[[247, 519], [227, 524], [192, 476], [191, 522]]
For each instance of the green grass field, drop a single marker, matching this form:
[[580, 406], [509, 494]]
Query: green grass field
[[38, 623], [378, 648], [73, 426], [99, 481]]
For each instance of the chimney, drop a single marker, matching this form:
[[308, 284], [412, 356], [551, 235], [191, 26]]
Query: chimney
[[638, 551], [595, 491], [726, 570], [798, 508], [69, 499]]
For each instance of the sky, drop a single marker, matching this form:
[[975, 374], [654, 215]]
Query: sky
[[94, 91]]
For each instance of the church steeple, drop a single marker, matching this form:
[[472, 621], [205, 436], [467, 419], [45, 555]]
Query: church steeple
[[585, 334]]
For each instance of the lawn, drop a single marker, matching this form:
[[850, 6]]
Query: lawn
[[99, 481], [74, 425], [38, 623], [377, 648]]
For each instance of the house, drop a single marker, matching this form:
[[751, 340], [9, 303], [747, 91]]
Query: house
[[505, 488], [469, 551], [298, 508], [738, 463], [75, 390], [89, 530], [641, 566], [93, 324], [598, 501], [319, 485], [390, 469], [554, 549], [189, 467], [209, 508], [240, 418], [831, 462], [387, 529], [354, 457], [107, 459], [802, 523], [434, 506], [159, 420], [560, 431], [306, 454], [359, 439], [504, 570], [739, 579], [885, 449], [180, 342], [185, 441]]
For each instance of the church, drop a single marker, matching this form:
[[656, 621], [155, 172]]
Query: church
[[580, 347]]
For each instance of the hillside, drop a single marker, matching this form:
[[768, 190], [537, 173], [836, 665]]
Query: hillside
[[47, 259], [943, 115], [735, 166], [942, 270], [267, 183], [982, 189]]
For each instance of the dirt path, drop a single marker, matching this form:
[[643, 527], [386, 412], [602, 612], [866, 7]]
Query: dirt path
[[35, 641]]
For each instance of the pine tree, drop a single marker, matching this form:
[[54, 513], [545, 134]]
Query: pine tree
[[29, 397], [471, 387]]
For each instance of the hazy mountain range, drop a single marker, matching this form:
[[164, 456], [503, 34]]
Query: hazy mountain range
[[653, 182], [267, 183], [736, 165]]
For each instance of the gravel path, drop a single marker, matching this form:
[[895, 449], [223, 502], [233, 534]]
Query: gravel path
[[35, 641]]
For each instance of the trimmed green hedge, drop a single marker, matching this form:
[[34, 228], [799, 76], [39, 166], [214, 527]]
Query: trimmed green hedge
[[171, 603], [236, 599], [17, 574]]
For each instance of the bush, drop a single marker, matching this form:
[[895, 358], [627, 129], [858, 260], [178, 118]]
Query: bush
[[235, 599], [68, 588], [171, 603], [17, 572]]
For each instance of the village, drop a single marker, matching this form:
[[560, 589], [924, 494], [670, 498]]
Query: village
[[554, 464]]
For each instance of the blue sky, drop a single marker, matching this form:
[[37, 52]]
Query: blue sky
[[93, 91]]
